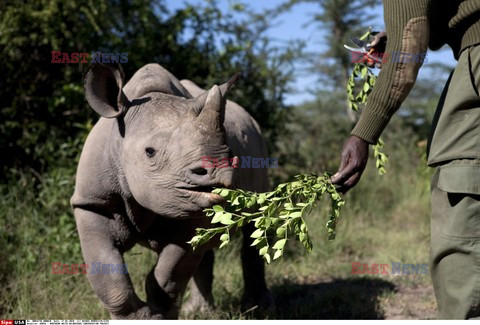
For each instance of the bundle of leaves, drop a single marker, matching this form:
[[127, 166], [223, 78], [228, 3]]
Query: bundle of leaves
[[278, 214]]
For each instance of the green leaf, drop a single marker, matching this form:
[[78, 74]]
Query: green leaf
[[236, 201], [225, 237], [224, 192], [217, 217], [280, 244], [364, 71], [267, 258], [288, 206], [223, 244], [226, 219], [278, 254], [258, 241], [262, 251], [251, 202], [261, 198], [366, 87], [302, 236], [217, 208], [295, 214], [281, 231], [303, 227], [257, 233]]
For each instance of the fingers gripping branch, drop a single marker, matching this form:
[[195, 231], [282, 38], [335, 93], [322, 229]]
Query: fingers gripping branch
[[353, 162]]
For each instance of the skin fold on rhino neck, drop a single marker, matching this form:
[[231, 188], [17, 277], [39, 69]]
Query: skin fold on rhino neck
[[130, 207]]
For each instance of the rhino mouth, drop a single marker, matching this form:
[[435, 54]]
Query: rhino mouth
[[202, 189], [199, 188], [202, 193]]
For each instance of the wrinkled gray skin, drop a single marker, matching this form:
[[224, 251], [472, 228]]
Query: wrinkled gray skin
[[140, 180]]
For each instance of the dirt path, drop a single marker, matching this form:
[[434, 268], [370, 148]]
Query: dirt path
[[410, 303]]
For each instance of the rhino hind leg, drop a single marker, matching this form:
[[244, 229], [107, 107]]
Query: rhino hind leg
[[201, 297], [114, 290], [256, 294]]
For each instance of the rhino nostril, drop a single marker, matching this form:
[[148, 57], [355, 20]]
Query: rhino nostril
[[200, 171]]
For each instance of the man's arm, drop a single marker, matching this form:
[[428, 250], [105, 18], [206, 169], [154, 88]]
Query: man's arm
[[407, 27]]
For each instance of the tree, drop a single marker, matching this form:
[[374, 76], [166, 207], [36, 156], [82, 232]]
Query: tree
[[338, 20], [44, 117]]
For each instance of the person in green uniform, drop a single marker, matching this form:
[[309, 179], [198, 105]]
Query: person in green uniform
[[454, 145]]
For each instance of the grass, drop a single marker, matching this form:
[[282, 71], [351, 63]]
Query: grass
[[386, 219]]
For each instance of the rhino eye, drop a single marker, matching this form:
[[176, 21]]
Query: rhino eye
[[150, 152]]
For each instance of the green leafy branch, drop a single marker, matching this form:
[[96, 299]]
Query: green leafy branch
[[381, 158], [277, 214], [362, 72]]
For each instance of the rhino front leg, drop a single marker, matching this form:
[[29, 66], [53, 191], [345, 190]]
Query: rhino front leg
[[256, 293], [167, 282], [201, 297], [114, 290]]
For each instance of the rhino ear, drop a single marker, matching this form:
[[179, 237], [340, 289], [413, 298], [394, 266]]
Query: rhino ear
[[225, 88], [201, 99], [103, 89]]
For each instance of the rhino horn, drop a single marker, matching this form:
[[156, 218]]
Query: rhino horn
[[213, 111], [212, 114]]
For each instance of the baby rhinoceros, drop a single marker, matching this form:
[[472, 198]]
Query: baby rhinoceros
[[140, 179]]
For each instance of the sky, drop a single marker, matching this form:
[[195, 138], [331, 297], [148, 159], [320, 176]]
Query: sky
[[295, 25]]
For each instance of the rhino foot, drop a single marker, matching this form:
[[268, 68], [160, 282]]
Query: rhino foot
[[260, 304], [145, 312], [194, 306]]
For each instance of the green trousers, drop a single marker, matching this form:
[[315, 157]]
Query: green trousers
[[454, 150], [455, 251]]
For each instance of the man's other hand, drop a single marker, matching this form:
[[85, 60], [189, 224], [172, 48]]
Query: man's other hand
[[353, 161]]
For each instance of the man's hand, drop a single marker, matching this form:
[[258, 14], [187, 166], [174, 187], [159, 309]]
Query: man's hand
[[353, 161], [378, 45]]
